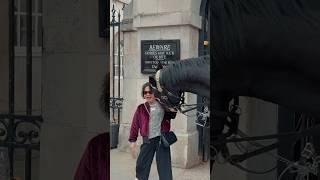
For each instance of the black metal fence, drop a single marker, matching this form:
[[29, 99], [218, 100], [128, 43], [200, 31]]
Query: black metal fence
[[116, 99], [19, 131]]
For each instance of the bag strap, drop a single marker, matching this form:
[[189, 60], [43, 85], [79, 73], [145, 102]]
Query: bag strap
[[146, 108]]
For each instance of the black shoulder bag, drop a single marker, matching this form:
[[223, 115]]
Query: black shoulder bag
[[168, 138]]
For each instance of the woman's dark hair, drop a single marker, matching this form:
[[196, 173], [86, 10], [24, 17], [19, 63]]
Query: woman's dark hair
[[147, 84]]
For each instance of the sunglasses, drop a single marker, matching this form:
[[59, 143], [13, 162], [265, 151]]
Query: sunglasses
[[147, 92]]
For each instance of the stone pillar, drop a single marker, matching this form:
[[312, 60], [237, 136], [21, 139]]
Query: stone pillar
[[75, 61], [4, 75], [160, 20], [4, 56]]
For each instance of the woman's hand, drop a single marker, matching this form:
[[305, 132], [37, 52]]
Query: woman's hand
[[133, 149]]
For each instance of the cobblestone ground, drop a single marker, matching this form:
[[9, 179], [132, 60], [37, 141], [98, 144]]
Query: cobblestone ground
[[123, 168]]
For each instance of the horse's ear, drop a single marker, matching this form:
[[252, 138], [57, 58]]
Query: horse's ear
[[159, 66], [152, 81]]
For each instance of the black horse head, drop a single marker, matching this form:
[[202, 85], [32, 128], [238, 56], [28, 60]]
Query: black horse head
[[169, 97], [189, 75]]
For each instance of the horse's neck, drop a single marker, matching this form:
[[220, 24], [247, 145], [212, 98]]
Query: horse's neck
[[190, 75]]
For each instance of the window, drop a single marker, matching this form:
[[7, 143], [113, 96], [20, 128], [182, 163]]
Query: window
[[21, 27], [116, 64]]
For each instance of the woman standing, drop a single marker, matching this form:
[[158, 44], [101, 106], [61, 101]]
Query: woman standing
[[152, 120]]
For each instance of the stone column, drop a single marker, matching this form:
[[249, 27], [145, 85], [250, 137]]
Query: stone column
[[160, 20], [4, 56], [4, 80], [75, 62]]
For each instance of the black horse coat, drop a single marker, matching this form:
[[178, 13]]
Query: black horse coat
[[268, 49]]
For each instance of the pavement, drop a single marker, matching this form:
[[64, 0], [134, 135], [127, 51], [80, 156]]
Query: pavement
[[123, 168]]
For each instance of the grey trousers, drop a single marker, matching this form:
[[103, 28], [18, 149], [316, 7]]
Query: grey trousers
[[144, 161]]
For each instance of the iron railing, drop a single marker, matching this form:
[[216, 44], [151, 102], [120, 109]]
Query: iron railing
[[116, 101], [20, 131]]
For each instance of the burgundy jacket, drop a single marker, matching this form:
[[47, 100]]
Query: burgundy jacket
[[95, 162], [141, 122]]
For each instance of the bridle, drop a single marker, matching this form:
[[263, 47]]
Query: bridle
[[169, 99], [234, 135], [166, 97]]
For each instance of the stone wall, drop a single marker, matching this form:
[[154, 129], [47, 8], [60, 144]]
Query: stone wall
[[4, 74], [160, 20], [4, 56]]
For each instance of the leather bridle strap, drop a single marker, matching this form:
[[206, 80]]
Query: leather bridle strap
[[157, 77]]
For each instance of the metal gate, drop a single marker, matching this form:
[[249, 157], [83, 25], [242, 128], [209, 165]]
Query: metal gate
[[116, 99], [19, 131]]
